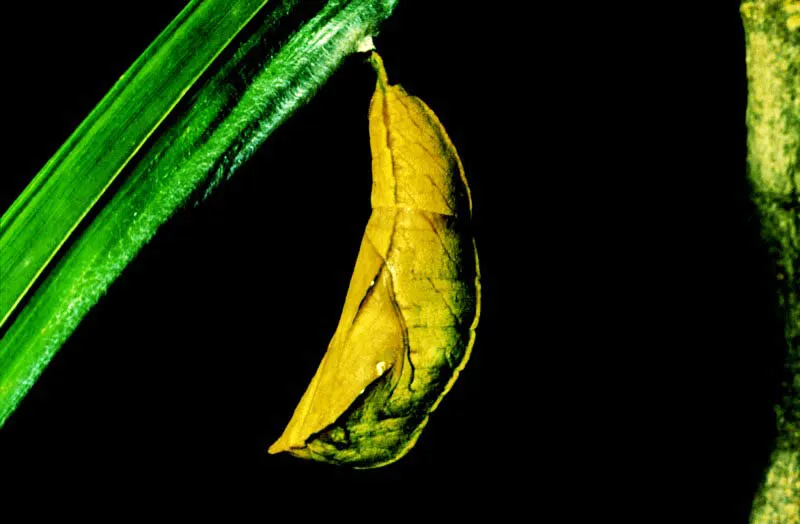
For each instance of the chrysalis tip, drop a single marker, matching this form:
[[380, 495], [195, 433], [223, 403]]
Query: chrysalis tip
[[377, 64]]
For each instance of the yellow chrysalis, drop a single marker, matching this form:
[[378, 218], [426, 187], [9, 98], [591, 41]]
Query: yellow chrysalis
[[409, 318]]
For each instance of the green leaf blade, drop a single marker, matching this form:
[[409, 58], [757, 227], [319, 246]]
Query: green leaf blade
[[207, 138], [85, 166]]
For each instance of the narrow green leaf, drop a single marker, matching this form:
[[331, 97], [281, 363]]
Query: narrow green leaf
[[51, 207], [205, 139]]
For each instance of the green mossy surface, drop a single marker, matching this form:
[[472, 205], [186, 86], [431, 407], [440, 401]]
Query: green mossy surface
[[772, 29]]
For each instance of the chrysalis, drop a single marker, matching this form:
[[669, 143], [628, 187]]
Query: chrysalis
[[409, 318]]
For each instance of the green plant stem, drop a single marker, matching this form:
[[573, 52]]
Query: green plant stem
[[205, 140], [772, 29]]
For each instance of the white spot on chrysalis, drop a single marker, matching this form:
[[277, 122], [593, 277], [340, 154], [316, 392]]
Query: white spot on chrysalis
[[380, 368]]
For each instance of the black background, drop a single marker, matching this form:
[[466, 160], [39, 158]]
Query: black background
[[629, 349]]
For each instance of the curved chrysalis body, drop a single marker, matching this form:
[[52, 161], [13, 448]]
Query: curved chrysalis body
[[408, 323]]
